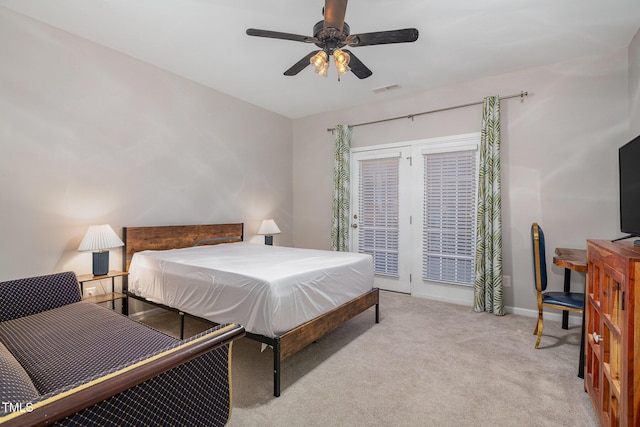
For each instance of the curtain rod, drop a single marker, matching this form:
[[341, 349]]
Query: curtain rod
[[520, 95]]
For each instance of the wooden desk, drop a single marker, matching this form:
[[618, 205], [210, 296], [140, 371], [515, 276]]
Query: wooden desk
[[570, 259], [576, 260]]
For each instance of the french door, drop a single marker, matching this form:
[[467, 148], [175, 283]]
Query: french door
[[413, 210], [380, 214]]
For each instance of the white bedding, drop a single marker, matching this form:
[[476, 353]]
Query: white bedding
[[267, 289]]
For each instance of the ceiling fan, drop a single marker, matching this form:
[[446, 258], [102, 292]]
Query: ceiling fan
[[331, 35]]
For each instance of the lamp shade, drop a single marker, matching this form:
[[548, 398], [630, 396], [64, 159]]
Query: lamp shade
[[99, 238], [268, 228]]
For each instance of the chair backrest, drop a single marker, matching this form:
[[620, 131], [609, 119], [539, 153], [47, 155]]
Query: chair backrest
[[539, 260]]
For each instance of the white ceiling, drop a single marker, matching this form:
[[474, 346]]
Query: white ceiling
[[460, 40]]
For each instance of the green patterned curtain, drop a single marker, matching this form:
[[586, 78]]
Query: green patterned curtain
[[488, 276], [341, 186]]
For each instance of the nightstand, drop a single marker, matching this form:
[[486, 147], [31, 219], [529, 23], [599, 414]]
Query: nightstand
[[112, 296]]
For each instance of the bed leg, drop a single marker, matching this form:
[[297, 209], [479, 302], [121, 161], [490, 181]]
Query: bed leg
[[378, 313], [276, 368], [181, 324]]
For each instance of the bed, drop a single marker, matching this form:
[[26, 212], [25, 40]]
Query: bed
[[284, 297]]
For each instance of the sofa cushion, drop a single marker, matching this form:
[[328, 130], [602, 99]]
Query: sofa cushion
[[15, 385], [70, 343]]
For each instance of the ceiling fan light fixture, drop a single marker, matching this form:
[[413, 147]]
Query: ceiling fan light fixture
[[342, 68], [323, 70], [319, 60], [341, 59]]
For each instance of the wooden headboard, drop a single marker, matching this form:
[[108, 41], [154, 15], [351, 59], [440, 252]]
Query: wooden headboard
[[138, 239]]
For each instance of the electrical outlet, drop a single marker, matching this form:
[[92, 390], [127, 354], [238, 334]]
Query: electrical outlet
[[90, 292], [506, 281]]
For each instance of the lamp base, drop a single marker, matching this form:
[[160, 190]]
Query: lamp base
[[268, 240], [100, 263]]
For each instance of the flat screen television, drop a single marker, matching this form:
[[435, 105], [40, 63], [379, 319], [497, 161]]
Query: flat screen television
[[629, 164]]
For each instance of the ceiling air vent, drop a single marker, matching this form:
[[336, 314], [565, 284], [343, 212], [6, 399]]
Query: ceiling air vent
[[385, 88]]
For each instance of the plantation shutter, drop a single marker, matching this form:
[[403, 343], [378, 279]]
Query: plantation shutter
[[378, 213], [449, 216]]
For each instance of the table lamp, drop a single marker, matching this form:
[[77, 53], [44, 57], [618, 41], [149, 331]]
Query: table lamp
[[268, 228], [99, 239]]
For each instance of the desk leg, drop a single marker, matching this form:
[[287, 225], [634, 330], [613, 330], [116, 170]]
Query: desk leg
[[581, 367], [567, 288]]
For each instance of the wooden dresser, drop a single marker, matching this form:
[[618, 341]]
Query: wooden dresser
[[612, 376]]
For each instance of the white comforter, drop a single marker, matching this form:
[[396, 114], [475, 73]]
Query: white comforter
[[267, 289]]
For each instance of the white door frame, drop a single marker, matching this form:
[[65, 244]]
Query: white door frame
[[410, 228]]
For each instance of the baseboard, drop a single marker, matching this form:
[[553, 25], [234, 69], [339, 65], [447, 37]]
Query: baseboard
[[574, 319], [444, 299]]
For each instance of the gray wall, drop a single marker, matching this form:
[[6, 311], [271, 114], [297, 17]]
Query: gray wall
[[91, 136], [634, 86]]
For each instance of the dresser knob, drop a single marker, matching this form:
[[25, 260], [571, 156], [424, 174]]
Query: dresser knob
[[596, 338]]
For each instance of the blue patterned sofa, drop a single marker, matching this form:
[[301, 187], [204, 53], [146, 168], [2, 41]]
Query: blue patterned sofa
[[65, 361]]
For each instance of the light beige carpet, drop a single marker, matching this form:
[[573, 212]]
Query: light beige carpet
[[426, 363]]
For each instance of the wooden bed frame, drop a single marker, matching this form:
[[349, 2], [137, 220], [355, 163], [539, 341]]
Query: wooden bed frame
[[182, 236]]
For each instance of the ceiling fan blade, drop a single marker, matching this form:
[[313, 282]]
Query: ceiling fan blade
[[334, 11], [383, 37], [300, 65], [357, 67], [279, 35]]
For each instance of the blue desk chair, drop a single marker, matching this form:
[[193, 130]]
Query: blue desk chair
[[571, 301]]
